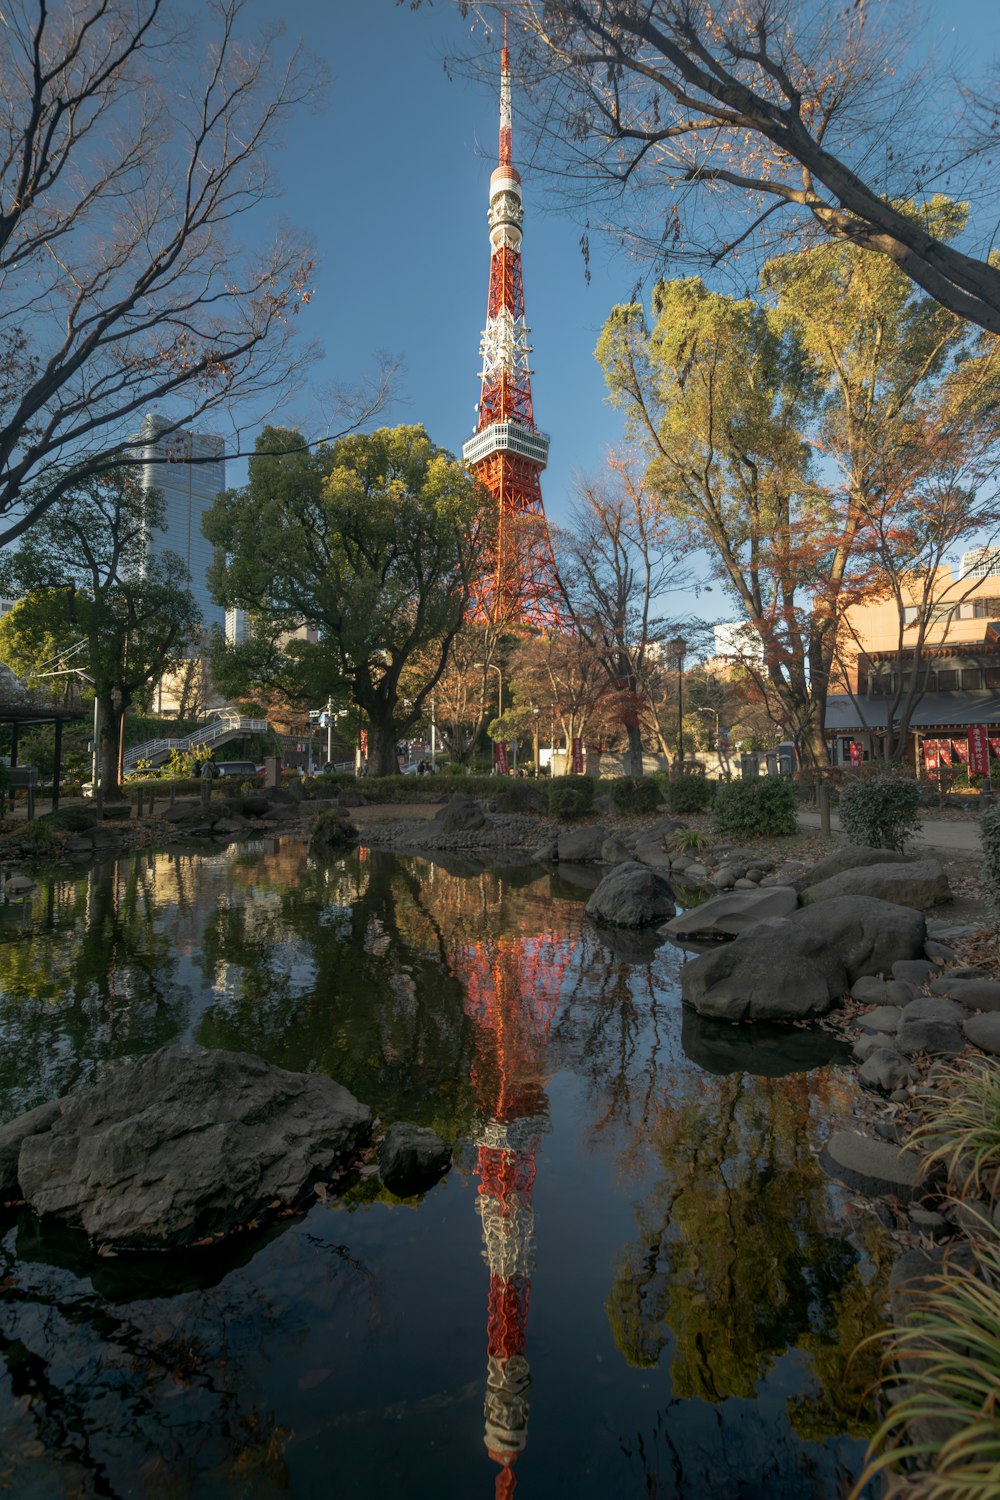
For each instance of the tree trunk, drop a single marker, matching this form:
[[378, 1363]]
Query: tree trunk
[[382, 749], [107, 764], [633, 758]]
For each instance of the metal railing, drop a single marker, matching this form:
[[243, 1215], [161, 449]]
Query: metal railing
[[225, 724]]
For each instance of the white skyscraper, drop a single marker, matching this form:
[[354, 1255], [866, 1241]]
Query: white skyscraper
[[189, 489], [981, 562]]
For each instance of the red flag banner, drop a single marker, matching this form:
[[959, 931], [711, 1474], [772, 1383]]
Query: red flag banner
[[995, 748], [979, 750], [500, 753], [578, 757], [960, 751], [364, 742], [932, 761], [856, 752]]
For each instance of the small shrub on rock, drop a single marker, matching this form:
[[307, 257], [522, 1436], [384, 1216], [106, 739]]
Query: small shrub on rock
[[989, 834], [880, 811], [755, 808], [635, 794], [688, 794], [568, 799]]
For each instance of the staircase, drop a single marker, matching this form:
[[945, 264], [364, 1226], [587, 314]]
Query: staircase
[[224, 724]]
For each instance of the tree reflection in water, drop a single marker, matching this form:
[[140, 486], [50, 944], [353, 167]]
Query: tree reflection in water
[[450, 998], [736, 1262]]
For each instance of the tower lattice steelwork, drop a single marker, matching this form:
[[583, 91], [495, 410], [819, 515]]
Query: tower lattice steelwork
[[512, 988], [507, 452]]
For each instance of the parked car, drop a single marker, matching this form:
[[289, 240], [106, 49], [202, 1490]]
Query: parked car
[[244, 769]]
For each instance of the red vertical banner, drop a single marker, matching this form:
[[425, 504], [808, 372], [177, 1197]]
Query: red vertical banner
[[932, 761], [856, 752], [578, 757], [979, 750], [364, 743], [500, 754]]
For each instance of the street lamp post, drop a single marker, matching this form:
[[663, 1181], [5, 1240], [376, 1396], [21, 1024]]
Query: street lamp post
[[491, 666], [678, 646]]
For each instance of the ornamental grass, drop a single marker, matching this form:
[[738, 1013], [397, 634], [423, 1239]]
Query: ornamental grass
[[940, 1439]]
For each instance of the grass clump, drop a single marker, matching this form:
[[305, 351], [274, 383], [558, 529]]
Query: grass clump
[[880, 811], [755, 808], [684, 840], [941, 1435]]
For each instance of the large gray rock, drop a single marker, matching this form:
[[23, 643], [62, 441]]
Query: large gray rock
[[460, 815], [582, 846], [613, 851], [870, 1166], [850, 857], [185, 1144], [978, 993], [886, 1069], [919, 883], [13, 1135], [631, 895], [771, 972], [882, 1021], [728, 915], [412, 1159], [869, 935], [983, 1031], [931, 1025]]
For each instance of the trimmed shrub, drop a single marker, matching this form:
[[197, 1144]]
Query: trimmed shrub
[[568, 801], [635, 794], [688, 794], [755, 808], [880, 811], [452, 768], [989, 834], [521, 797]]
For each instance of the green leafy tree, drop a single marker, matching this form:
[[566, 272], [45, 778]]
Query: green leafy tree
[[827, 445], [718, 393], [90, 578], [353, 560]]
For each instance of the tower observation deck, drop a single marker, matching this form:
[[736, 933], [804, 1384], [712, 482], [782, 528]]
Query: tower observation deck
[[507, 452]]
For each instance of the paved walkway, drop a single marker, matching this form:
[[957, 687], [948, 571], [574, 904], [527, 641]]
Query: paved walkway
[[938, 834]]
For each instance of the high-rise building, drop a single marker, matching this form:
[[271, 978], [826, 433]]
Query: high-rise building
[[981, 562], [189, 470]]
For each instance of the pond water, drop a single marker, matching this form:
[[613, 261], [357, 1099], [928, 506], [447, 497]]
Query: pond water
[[635, 1281]]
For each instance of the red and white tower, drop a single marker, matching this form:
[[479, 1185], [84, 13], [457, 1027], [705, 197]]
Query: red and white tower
[[507, 452], [512, 987]]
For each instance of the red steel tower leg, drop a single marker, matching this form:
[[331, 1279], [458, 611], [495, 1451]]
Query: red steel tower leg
[[507, 452]]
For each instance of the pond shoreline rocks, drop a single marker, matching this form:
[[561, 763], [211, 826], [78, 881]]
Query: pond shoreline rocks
[[180, 1148]]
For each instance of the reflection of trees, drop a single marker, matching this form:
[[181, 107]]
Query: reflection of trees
[[160, 1396], [734, 1264], [90, 980]]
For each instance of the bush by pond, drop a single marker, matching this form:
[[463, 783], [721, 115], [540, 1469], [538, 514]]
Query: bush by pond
[[757, 808], [635, 794], [688, 794], [571, 797], [881, 811]]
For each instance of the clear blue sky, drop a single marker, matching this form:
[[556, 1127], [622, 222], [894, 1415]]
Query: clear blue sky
[[391, 180]]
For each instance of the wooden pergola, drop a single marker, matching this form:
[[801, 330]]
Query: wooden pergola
[[19, 709]]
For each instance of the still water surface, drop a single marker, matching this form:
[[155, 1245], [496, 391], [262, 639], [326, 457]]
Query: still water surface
[[636, 1280]]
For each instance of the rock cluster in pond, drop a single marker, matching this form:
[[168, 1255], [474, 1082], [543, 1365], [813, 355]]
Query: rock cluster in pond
[[180, 1147]]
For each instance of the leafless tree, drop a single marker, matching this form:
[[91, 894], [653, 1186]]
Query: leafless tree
[[138, 269], [815, 116], [621, 560]]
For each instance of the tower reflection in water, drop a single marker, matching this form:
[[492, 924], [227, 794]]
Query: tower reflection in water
[[512, 987]]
